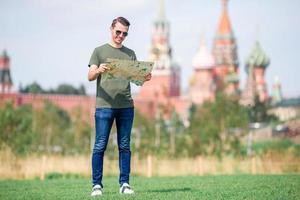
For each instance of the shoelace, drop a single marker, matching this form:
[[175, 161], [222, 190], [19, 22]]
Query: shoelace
[[95, 189]]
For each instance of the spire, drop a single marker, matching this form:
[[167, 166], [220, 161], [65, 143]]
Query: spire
[[225, 54], [161, 10], [161, 51], [224, 25], [276, 91], [225, 3], [165, 80]]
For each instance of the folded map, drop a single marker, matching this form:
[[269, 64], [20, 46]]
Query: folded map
[[133, 71]]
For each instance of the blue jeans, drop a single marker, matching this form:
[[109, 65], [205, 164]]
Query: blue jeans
[[104, 118]]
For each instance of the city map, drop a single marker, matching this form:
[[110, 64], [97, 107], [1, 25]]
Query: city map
[[133, 71]]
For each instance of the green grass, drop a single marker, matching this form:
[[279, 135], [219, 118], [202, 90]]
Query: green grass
[[192, 187]]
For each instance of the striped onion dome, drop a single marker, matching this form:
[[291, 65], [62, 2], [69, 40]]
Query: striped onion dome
[[257, 58]]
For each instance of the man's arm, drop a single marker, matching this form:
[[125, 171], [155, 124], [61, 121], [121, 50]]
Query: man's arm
[[95, 71]]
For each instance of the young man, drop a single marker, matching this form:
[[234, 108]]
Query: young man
[[113, 102]]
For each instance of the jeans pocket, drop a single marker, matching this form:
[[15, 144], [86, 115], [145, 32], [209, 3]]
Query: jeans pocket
[[104, 113]]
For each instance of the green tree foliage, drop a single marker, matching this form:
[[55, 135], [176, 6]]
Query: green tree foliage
[[16, 128], [216, 127], [143, 138], [46, 130], [69, 89], [259, 112], [35, 88], [81, 90], [81, 131], [277, 147], [159, 137], [53, 124]]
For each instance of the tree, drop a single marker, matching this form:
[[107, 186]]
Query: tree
[[69, 89], [16, 129], [34, 88], [217, 126], [143, 135], [52, 124], [259, 112], [81, 90], [47, 130], [81, 132]]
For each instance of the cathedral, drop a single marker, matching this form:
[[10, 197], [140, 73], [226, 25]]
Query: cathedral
[[213, 71]]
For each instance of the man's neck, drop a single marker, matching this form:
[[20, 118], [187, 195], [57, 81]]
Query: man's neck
[[113, 44]]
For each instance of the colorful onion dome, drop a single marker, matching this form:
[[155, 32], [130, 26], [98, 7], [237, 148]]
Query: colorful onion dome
[[4, 54], [257, 58]]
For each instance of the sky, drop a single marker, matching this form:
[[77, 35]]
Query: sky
[[51, 41]]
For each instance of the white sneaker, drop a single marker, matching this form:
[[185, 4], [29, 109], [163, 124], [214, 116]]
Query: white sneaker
[[126, 189], [97, 190]]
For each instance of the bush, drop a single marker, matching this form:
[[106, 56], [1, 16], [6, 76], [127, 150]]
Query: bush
[[58, 175], [280, 146]]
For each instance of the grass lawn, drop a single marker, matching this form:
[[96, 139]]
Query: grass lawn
[[192, 187]]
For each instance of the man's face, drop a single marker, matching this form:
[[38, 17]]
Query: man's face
[[119, 33]]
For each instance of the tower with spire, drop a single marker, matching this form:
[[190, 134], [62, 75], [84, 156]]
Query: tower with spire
[[5, 78], [256, 64], [165, 80], [202, 86], [276, 91], [225, 53]]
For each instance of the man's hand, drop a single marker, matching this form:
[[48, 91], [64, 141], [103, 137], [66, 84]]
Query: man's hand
[[95, 71], [148, 77], [102, 68]]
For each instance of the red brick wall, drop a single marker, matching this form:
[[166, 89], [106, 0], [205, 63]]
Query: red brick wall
[[146, 106], [70, 103]]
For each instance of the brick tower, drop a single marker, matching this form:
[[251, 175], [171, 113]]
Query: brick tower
[[5, 78], [225, 53], [165, 82]]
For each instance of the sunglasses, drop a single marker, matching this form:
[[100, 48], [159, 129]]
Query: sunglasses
[[120, 32]]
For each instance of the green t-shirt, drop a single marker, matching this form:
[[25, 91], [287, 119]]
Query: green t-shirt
[[112, 93]]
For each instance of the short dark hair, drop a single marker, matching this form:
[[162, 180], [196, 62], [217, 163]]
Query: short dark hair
[[121, 20]]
